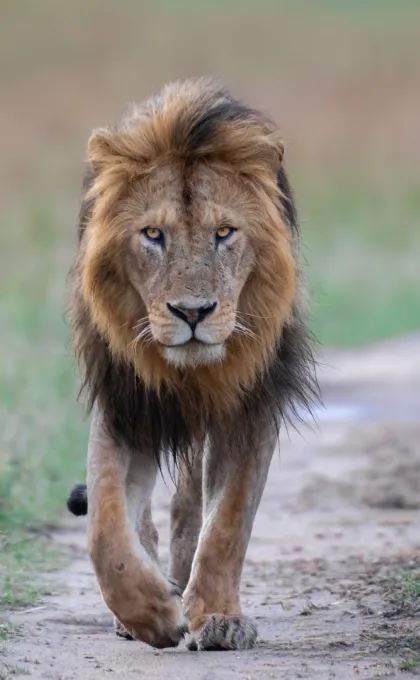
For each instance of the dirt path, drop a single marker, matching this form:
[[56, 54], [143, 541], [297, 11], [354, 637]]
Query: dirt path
[[338, 520]]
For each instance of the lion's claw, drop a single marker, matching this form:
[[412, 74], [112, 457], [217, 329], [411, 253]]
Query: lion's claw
[[224, 632]]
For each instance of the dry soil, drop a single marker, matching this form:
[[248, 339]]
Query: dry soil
[[337, 525]]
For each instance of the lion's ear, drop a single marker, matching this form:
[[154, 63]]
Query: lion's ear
[[100, 150], [276, 151], [280, 150], [278, 147]]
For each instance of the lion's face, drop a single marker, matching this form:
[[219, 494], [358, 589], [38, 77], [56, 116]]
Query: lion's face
[[186, 265], [188, 257]]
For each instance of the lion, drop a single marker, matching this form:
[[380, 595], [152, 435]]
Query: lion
[[188, 320]]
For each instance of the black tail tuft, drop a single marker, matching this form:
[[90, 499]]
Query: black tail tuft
[[77, 502]]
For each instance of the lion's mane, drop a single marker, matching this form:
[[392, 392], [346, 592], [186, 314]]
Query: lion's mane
[[147, 403]]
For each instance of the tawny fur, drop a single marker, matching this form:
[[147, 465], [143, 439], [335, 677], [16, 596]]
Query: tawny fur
[[187, 162]]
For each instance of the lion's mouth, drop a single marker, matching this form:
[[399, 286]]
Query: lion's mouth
[[194, 353], [193, 342]]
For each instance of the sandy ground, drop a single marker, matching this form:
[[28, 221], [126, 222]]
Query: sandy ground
[[337, 524]]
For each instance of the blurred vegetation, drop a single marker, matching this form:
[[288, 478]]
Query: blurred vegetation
[[343, 81]]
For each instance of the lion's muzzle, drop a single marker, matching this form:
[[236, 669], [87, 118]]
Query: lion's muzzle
[[191, 313]]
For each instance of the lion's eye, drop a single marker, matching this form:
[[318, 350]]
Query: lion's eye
[[224, 232], [153, 234]]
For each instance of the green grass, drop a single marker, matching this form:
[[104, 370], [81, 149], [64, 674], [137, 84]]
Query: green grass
[[8, 631], [9, 670], [43, 432], [402, 597], [25, 559], [410, 666], [362, 248], [400, 635], [410, 593], [411, 584]]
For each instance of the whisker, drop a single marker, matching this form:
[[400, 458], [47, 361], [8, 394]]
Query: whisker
[[239, 326], [146, 333], [149, 341], [255, 316], [243, 330], [141, 322]]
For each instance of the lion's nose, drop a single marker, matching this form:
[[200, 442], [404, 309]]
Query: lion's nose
[[192, 315]]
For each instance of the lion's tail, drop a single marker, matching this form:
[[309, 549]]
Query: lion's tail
[[77, 502]]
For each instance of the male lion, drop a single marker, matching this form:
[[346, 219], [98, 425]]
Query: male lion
[[188, 323]]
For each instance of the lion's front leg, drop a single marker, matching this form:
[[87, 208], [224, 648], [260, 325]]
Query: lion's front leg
[[149, 540], [232, 490], [186, 519], [120, 484]]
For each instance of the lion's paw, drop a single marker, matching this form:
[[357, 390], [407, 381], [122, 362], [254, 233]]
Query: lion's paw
[[223, 632], [155, 617]]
